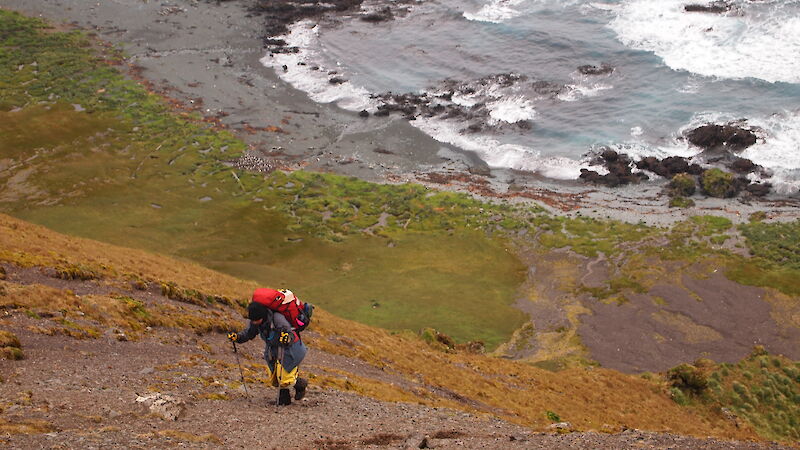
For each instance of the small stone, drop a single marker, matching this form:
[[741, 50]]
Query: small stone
[[163, 405]]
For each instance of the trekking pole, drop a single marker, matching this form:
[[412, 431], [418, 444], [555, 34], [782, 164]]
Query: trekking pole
[[241, 372], [278, 360]]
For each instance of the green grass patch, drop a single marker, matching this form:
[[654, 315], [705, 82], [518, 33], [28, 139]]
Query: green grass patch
[[776, 242], [587, 236]]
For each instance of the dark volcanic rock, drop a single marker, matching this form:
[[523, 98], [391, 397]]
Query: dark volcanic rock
[[279, 14], [728, 137], [669, 166], [587, 69], [439, 102], [743, 165], [609, 155], [758, 189], [363, 113], [619, 170], [383, 15], [716, 7]]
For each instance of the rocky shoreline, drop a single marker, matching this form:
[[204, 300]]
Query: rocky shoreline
[[205, 56]]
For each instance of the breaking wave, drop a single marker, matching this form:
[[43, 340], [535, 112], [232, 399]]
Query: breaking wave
[[751, 40]]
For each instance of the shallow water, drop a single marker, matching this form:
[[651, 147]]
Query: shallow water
[[673, 70]]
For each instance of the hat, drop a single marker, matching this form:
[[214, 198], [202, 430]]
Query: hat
[[257, 311], [288, 296]]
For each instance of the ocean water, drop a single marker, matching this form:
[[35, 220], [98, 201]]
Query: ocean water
[[673, 70]]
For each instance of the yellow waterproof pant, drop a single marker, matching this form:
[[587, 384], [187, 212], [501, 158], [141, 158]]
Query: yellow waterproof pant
[[280, 377]]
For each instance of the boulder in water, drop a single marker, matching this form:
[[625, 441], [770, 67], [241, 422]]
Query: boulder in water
[[721, 137], [716, 7], [382, 15], [602, 69], [758, 189]]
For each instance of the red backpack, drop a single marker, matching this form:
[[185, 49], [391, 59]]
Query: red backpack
[[296, 312]]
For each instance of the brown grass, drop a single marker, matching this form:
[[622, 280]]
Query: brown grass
[[190, 437], [382, 439], [25, 244], [25, 426], [80, 317], [9, 339]]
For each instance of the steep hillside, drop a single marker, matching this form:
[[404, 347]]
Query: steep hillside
[[121, 321]]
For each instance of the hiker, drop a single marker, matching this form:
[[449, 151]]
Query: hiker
[[278, 316]]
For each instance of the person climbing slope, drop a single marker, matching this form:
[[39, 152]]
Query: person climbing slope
[[278, 316]]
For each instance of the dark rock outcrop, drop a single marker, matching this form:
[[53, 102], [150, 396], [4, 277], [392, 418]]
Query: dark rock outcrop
[[684, 177], [728, 137], [669, 166], [758, 189], [743, 165], [382, 15], [716, 7], [279, 14], [619, 170], [603, 69]]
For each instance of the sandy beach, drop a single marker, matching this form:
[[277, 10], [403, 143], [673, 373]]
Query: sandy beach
[[206, 55]]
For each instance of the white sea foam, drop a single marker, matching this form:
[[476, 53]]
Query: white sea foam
[[759, 40], [637, 149], [316, 83], [511, 110], [496, 11], [497, 154], [780, 149], [603, 6], [777, 149], [575, 92]]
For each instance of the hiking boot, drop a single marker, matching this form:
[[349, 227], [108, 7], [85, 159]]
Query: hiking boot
[[284, 397], [300, 388]]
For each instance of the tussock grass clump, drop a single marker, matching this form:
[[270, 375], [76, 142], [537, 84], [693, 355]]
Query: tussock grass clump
[[10, 347], [76, 272], [762, 389], [688, 378]]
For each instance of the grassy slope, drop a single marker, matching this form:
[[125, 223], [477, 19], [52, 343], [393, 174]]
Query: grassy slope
[[588, 398], [128, 171]]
